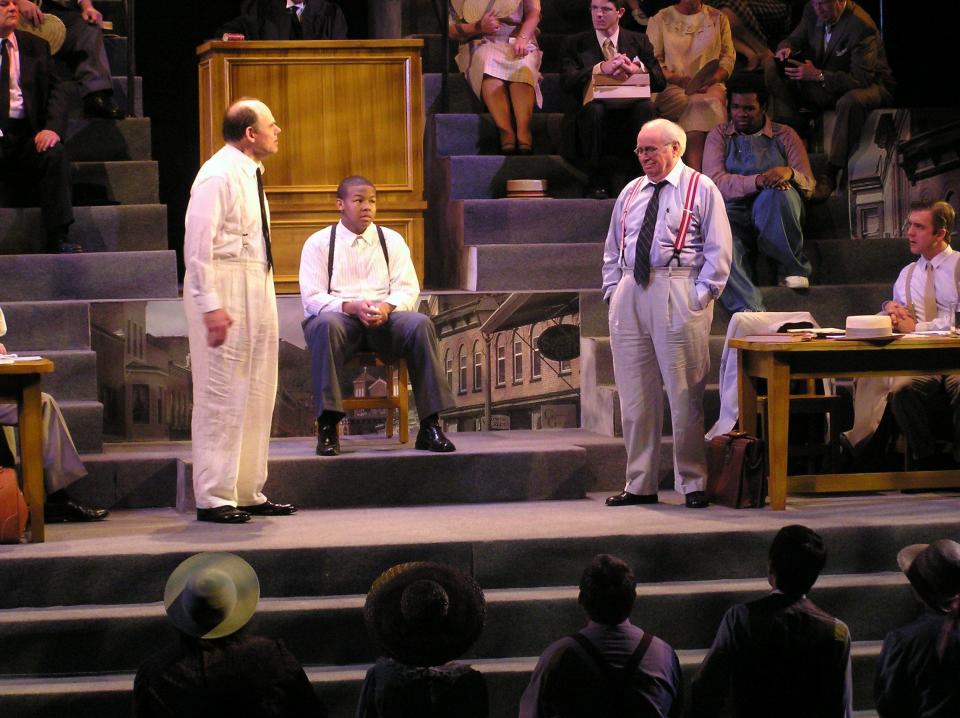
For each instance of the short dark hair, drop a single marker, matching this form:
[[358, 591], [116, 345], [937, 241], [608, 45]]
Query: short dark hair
[[608, 590], [748, 86], [619, 4], [352, 181], [797, 556], [943, 214], [238, 117]]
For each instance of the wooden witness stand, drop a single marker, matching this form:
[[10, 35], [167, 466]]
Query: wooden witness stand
[[20, 383], [345, 107], [779, 363]]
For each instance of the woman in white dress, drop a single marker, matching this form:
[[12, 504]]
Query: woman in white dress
[[500, 58], [686, 37]]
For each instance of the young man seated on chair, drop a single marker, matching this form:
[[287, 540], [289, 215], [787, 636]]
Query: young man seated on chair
[[362, 296]]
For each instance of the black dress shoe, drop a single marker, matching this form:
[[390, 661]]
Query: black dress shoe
[[69, 248], [431, 438], [328, 442], [101, 104], [69, 511], [696, 500], [625, 498], [268, 508], [223, 515]]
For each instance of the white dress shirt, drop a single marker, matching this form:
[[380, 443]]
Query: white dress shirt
[[359, 271], [944, 286], [222, 222], [708, 246], [601, 38], [16, 93], [298, 5]]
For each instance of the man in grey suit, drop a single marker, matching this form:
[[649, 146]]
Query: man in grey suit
[[833, 59]]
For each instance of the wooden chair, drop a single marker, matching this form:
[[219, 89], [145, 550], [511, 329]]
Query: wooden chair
[[391, 402]]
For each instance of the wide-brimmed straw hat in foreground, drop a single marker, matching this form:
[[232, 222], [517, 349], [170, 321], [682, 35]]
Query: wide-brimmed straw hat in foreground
[[211, 595], [933, 570]]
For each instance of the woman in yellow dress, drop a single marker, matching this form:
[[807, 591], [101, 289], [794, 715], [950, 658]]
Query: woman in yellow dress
[[500, 58]]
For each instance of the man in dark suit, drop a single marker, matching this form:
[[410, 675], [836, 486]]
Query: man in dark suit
[[613, 51], [834, 59], [780, 655], [33, 121], [288, 20]]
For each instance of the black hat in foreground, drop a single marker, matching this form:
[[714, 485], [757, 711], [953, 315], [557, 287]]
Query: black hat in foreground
[[424, 614]]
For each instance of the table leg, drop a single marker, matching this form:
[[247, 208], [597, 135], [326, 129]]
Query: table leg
[[778, 425], [31, 455]]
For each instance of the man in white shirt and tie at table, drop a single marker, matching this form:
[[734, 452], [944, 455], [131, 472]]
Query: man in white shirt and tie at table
[[231, 308], [666, 260], [363, 297]]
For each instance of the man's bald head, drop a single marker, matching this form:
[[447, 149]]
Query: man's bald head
[[239, 116], [249, 125]]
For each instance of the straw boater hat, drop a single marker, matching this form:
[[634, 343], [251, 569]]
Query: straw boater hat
[[934, 571], [424, 614], [211, 595], [51, 29]]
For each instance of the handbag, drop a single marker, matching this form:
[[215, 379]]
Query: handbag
[[736, 475], [13, 509]]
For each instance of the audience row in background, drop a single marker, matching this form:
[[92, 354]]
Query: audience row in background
[[777, 655]]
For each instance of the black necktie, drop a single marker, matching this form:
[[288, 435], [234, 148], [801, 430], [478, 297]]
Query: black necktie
[[296, 29], [641, 262], [263, 218], [4, 81]]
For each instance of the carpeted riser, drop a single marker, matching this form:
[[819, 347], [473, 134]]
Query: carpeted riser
[[111, 644], [85, 420], [115, 183], [51, 325], [90, 140], [103, 275], [75, 377], [475, 134], [127, 228], [134, 108], [505, 268], [486, 177], [419, 478], [134, 483], [535, 221]]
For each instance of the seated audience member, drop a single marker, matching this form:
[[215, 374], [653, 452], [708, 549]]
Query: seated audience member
[[762, 170], [61, 462], [610, 667], [779, 655], [82, 52], [755, 26], [686, 38], [923, 296], [287, 20], [33, 122], [217, 667], [834, 60], [920, 663], [615, 52], [500, 57], [359, 291], [423, 616]]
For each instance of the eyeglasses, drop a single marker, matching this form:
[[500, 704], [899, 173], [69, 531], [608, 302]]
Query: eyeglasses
[[640, 151]]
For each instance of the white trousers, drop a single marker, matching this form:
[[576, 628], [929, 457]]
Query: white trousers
[[660, 340], [234, 388], [61, 462]]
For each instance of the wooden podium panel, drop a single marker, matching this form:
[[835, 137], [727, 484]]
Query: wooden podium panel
[[345, 107]]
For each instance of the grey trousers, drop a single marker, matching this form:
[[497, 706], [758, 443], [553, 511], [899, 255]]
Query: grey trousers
[[83, 51], [334, 338], [909, 398]]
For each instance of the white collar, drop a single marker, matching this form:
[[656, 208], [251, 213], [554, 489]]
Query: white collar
[[614, 38]]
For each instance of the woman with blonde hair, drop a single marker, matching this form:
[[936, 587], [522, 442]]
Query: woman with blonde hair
[[500, 58]]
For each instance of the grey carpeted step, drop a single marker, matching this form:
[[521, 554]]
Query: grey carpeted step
[[134, 109], [485, 177], [100, 275], [90, 140], [108, 639], [462, 99], [75, 375], [532, 221], [46, 325], [840, 261], [410, 477], [85, 421], [570, 266], [121, 228], [112, 183], [475, 134]]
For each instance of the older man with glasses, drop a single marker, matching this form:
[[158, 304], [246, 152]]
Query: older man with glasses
[[667, 258]]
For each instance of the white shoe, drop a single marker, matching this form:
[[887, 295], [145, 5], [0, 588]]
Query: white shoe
[[795, 282]]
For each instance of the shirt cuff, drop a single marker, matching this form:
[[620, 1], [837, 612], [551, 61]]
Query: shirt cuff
[[208, 302], [596, 68]]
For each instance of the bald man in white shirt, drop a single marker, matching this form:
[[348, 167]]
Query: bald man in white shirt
[[364, 297]]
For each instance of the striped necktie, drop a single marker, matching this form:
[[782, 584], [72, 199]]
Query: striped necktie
[[641, 262]]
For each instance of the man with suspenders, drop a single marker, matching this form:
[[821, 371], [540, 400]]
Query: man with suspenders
[[666, 259], [922, 295], [359, 291]]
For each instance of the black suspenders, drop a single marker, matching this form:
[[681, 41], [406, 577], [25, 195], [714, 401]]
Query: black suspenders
[[333, 242]]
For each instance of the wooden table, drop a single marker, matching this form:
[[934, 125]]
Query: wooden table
[[20, 383], [781, 362]]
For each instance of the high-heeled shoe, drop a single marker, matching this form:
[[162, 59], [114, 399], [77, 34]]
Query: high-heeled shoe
[[508, 142], [523, 149]]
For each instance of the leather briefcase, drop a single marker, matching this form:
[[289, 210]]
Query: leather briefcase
[[13, 509], [736, 476]]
